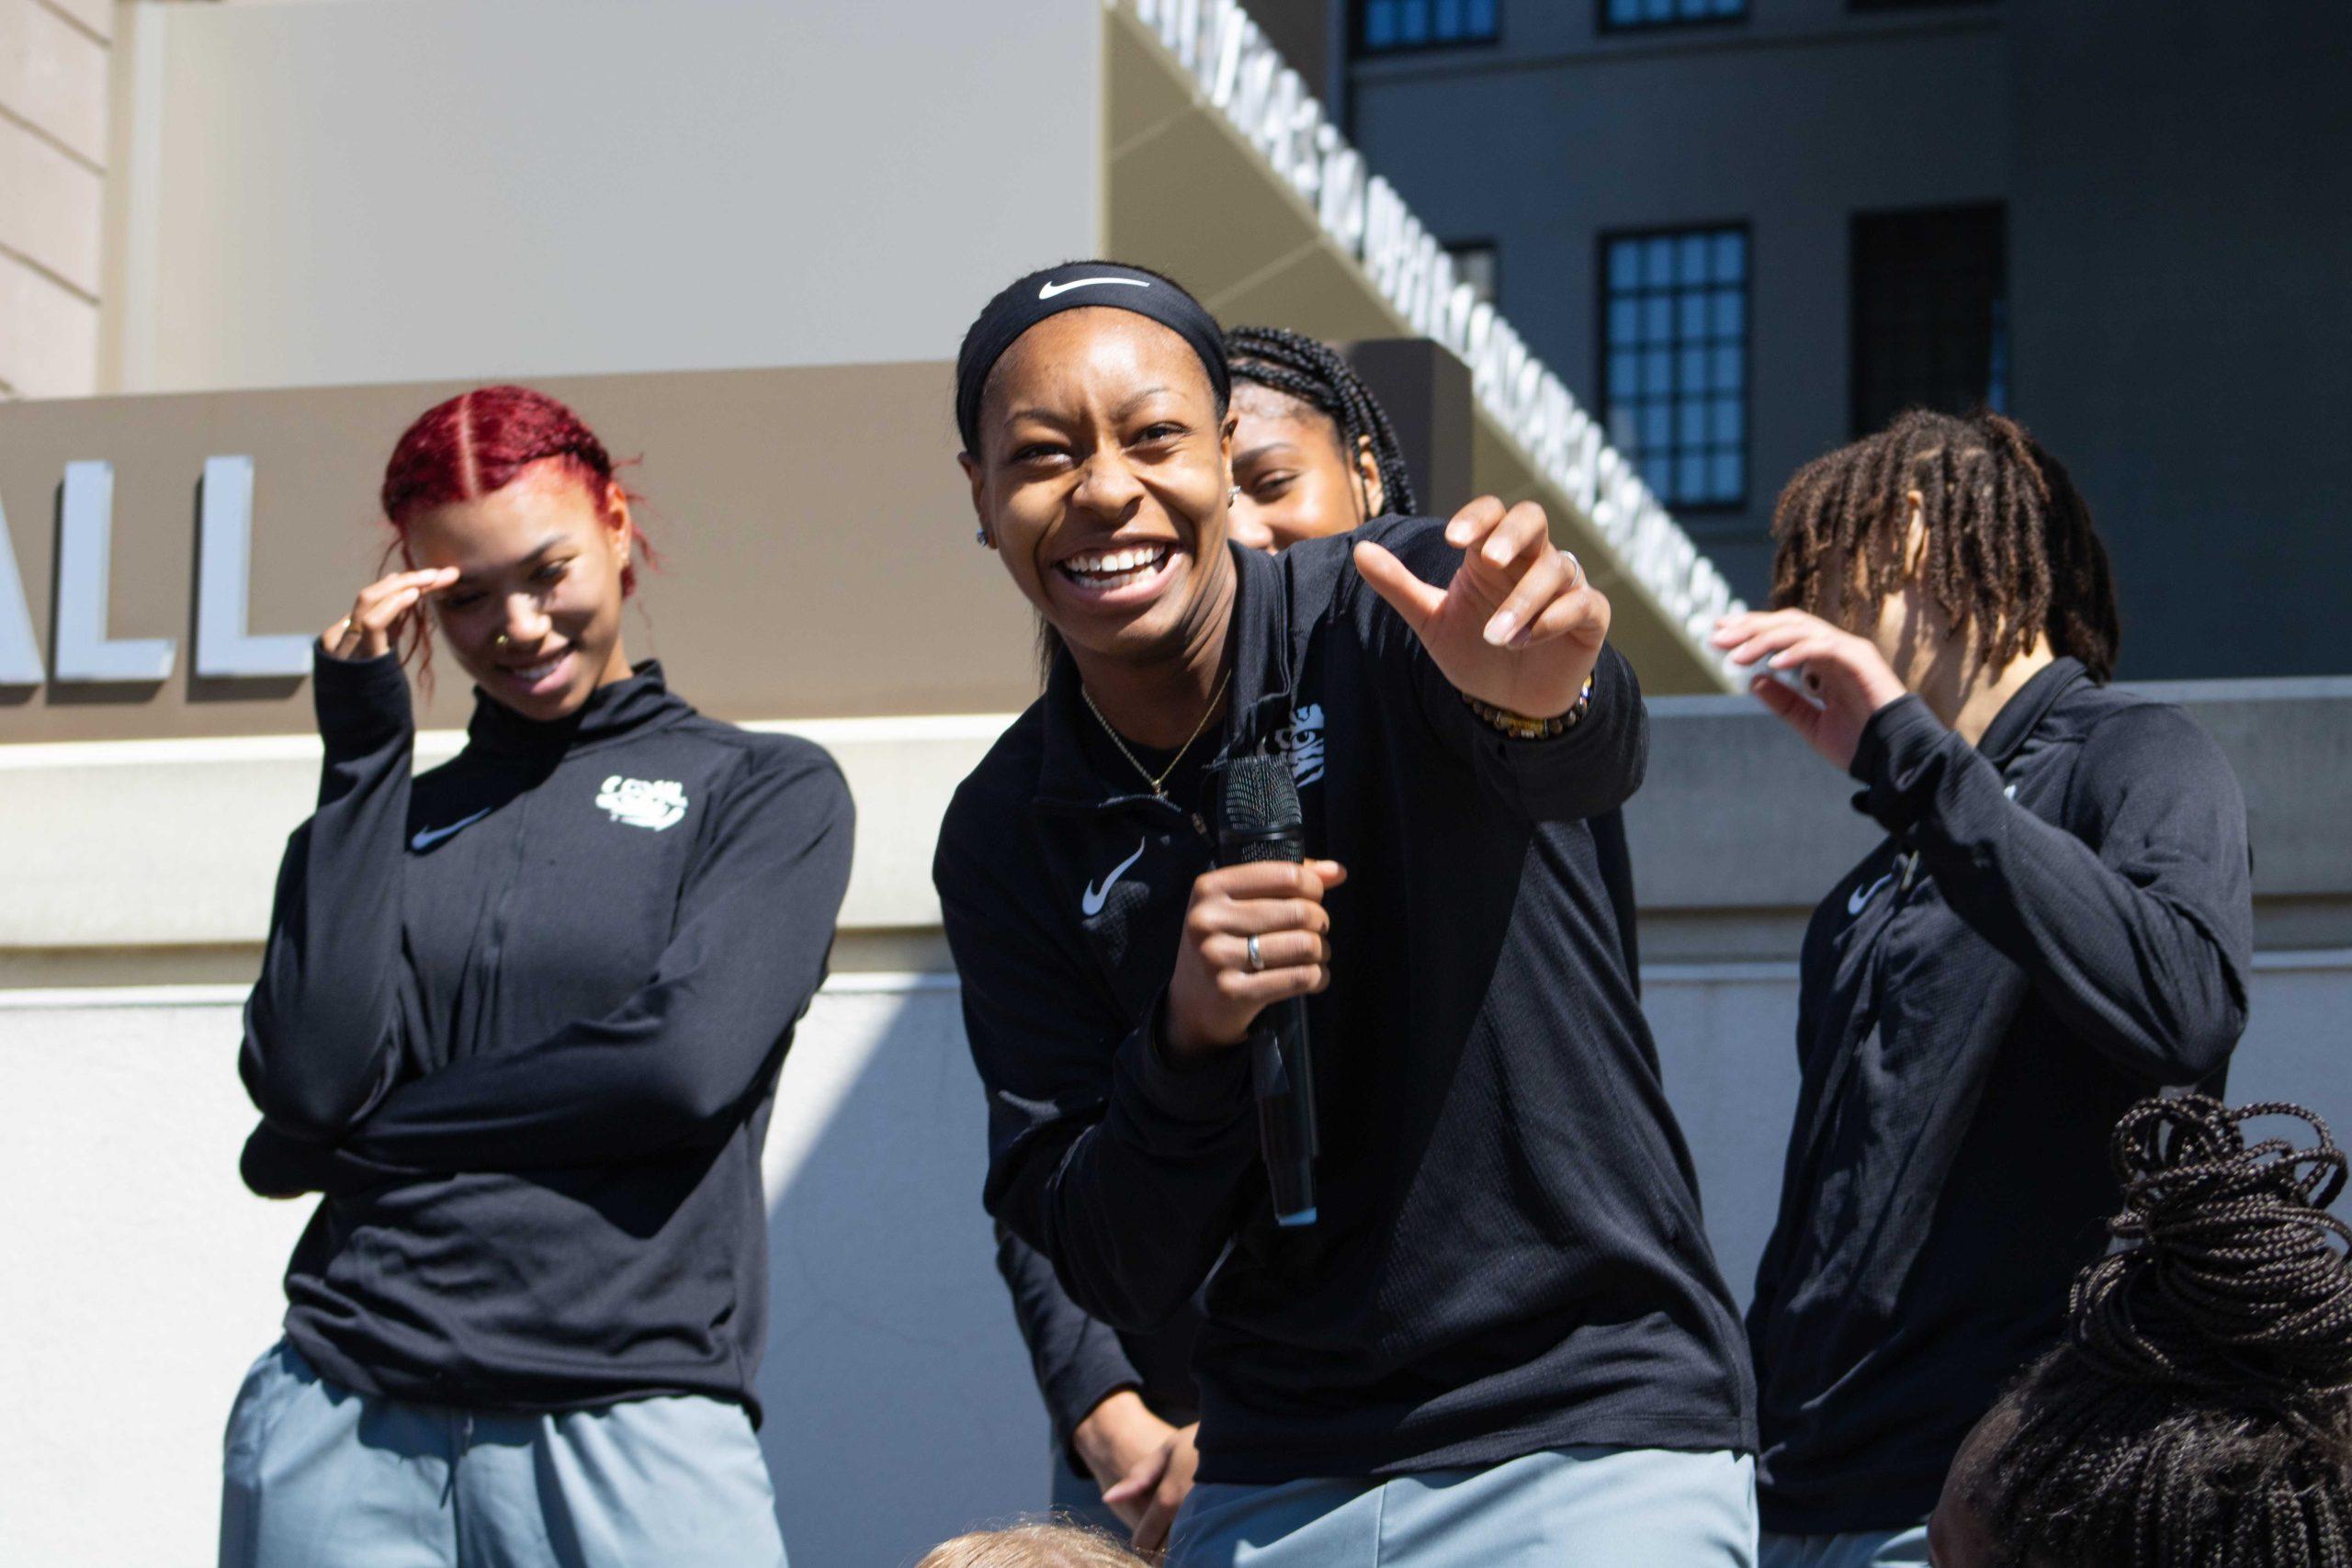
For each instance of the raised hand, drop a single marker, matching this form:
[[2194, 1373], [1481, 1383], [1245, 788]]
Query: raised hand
[[1846, 673], [375, 619], [1518, 627]]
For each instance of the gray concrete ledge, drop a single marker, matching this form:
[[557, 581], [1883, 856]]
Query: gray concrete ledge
[[1740, 828]]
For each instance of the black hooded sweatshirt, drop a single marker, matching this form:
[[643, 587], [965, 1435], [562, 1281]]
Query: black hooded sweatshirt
[[521, 1019], [2059, 922], [1509, 1255]]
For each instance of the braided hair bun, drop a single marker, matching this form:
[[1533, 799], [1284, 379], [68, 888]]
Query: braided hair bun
[[2199, 1411]]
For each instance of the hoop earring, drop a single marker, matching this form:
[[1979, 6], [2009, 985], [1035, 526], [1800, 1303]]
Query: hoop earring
[[1232, 495]]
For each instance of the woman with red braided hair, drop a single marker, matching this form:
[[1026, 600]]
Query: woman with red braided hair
[[520, 1021]]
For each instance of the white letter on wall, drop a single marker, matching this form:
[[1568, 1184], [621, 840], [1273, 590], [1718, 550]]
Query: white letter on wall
[[223, 573], [84, 542], [19, 650]]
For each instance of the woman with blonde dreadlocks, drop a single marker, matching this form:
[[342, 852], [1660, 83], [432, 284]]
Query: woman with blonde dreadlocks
[[2058, 921], [2199, 1413]]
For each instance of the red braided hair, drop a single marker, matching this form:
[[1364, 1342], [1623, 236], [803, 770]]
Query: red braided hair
[[477, 442]]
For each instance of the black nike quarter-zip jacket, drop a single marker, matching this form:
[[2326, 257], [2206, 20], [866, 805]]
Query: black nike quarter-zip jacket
[[2059, 922], [1509, 1255], [520, 1018]]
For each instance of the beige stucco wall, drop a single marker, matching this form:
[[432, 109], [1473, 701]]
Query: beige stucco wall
[[53, 145]]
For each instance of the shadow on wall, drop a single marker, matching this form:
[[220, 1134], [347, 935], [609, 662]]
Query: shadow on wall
[[1727, 1046], [899, 1405]]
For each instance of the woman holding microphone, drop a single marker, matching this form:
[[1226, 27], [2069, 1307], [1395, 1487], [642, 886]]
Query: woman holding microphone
[[1504, 1334], [2059, 921], [520, 1019], [1314, 454]]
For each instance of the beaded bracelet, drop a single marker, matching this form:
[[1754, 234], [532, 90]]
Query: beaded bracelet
[[1518, 727]]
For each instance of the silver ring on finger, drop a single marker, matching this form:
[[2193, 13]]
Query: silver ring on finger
[[1256, 959], [1575, 569]]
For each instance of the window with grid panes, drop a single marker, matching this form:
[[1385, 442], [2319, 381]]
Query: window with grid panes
[[1930, 313], [1627, 16], [1385, 27], [1674, 360]]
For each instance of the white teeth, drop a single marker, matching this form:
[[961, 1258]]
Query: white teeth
[[1117, 568], [531, 673]]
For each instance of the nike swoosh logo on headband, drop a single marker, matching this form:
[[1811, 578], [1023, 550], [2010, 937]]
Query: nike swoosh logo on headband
[[1047, 290]]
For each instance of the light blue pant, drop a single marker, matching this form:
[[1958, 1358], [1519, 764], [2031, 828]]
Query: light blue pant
[[1588, 1508], [317, 1476], [1862, 1549]]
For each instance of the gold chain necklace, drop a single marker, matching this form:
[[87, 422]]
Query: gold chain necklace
[[1158, 785]]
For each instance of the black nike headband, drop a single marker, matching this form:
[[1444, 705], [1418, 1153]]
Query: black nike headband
[[1070, 287]]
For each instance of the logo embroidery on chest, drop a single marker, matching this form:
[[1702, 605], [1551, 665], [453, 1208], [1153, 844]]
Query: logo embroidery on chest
[[653, 804], [1091, 902], [1302, 741], [1860, 898]]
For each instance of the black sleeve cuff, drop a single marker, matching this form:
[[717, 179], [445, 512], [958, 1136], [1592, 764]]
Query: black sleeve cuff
[[1894, 761], [1203, 1096], [1073, 1392], [1593, 768], [363, 703]]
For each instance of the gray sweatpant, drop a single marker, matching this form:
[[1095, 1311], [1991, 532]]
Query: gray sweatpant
[[1586, 1506], [317, 1476], [1871, 1549]]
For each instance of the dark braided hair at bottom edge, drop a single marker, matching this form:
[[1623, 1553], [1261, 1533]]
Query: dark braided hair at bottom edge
[[2199, 1411], [1299, 367]]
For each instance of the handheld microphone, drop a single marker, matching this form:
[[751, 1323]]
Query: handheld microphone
[[1261, 821]]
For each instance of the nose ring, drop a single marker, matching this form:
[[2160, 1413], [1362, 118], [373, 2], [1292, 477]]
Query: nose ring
[[499, 642]]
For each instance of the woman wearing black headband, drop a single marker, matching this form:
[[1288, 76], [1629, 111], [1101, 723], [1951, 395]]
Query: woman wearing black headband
[[1505, 1333], [1314, 453]]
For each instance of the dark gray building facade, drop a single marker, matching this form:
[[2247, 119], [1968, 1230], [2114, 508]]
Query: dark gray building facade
[[1748, 231]]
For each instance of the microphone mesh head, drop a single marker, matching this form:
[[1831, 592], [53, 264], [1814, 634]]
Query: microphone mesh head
[[1260, 797]]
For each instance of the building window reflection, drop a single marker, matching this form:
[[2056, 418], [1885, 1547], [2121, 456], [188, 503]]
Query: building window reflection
[[1674, 373], [1627, 16], [1388, 27]]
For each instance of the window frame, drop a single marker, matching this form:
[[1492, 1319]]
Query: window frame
[[1358, 50], [1881, 8], [2000, 359], [1606, 26], [1606, 400]]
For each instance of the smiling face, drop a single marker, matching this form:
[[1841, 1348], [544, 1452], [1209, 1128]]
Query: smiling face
[[1296, 482], [539, 563], [1101, 480]]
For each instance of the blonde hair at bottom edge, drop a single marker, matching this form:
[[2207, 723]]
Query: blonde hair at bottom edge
[[1038, 1545]]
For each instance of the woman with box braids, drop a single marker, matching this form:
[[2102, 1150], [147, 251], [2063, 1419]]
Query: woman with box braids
[[1292, 490], [2199, 1412]]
